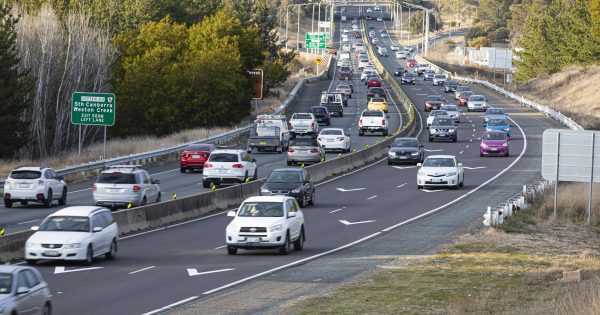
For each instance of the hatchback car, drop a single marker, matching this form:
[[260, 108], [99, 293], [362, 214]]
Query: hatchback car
[[74, 233], [305, 150], [398, 71], [440, 171], [373, 81], [493, 143], [490, 112], [226, 167], [122, 185], [23, 291], [293, 182], [194, 156], [376, 92], [321, 114], [433, 102], [477, 102], [498, 123], [34, 184], [404, 150], [334, 139]]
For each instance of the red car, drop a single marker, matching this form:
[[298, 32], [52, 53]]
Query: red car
[[345, 75], [409, 63], [433, 102], [463, 98], [194, 156], [373, 82]]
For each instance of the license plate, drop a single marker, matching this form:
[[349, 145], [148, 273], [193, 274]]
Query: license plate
[[329, 140], [403, 157], [494, 149], [23, 185], [51, 253], [113, 189], [252, 239], [263, 142], [195, 156], [437, 180]]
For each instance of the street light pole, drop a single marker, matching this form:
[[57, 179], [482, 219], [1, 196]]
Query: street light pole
[[298, 30], [287, 23]]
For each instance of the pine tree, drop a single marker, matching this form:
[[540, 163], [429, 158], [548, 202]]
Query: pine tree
[[15, 86]]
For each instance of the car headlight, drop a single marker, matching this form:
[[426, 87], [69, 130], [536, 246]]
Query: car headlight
[[483, 145], [505, 144], [451, 174], [391, 153], [31, 245], [415, 153], [297, 190], [489, 129], [451, 130], [276, 228], [232, 227], [265, 190], [419, 173], [73, 245]]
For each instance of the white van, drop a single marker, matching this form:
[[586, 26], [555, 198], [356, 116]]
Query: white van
[[345, 38]]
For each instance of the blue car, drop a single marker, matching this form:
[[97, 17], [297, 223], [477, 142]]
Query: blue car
[[499, 123]]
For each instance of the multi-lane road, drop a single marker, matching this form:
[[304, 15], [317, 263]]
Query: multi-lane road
[[186, 261]]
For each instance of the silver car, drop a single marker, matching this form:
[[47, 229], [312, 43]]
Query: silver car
[[121, 185], [23, 291], [452, 111], [305, 150]]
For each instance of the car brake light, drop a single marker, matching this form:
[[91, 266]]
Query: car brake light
[[383, 122], [290, 150], [94, 187], [136, 188], [237, 166], [314, 151], [360, 122], [207, 165]]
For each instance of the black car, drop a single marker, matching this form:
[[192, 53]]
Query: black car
[[321, 114], [450, 86], [406, 150], [293, 182], [376, 92], [408, 78], [371, 26], [399, 71]]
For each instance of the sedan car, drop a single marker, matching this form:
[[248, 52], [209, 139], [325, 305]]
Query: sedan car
[[378, 103], [408, 78], [493, 143], [450, 86], [399, 71], [23, 291], [230, 166], [433, 102], [459, 89], [379, 19], [366, 73], [440, 171], [401, 55], [463, 98], [439, 79], [345, 75], [428, 75], [435, 113], [373, 81], [498, 123], [452, 111], [292, 182], [410, 63], [125, 186], [305, 150], [376, 92], [493, 112], [477, 102], [405, 150], [74, 233], [344, 88], [334, 139], [394, 47], [194, 156]]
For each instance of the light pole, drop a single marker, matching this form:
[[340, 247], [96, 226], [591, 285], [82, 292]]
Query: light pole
[[287, 23]]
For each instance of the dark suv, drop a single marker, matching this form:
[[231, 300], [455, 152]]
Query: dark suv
[[443, 128], [293, 182], [321, 114]]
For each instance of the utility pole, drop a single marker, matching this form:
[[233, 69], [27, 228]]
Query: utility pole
[[426, 44]]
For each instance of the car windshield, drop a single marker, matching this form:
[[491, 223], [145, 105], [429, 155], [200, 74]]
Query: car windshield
[[452, 83], [405, 143], [197, 147], [319, 110], [25, 174], [451, 108], [465, 94], [5, 283], [442, 122], [331, 132], [341, 86], [372, 113], [223, 157], [116, 178], [434, 98], [304, 142], [495, 111], [408, 75], [284, 177], [463, 88], [497, 122], [376, 90], [476, 98], [66, 223], [439, 162], [302, 116], [261, 209], [494, 136], [440, 76], [378, 100], [438, 113]]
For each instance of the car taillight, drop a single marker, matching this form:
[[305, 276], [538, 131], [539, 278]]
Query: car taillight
[[290, 150], [237, 166], [314, 151], [340, 138], [207, 165], [383, 122], [136, 188], [94, 187], [360, 122]]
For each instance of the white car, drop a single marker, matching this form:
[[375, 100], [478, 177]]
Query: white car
[[366, 73], [74, 233], [266, 222], [228, 166], [439, 79], [401, 55], [345, 38], [433, 114], [334, 139], [382, 51], [385, 34], [303, 124], [477, 102], [363, 63], [440, 171], [369, 10], [394, 47], [379, 19], [369, 67], [344, 63], [346, 30], [452, 111], [375, 41], [121, 185], [346, 48], [34, 184]]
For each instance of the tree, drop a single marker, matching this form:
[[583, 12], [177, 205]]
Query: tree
[[416, 22], [15, 85]]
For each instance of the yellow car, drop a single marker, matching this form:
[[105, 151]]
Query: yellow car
[[378, 103]]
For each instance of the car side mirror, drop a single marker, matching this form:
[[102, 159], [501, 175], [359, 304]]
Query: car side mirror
[[292, 214], [97, 229], [231, 213], [22, 290], [35, 228], [156, 181], [419, 164]]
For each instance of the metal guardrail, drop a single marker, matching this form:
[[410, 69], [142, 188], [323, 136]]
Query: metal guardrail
[[562, 118]]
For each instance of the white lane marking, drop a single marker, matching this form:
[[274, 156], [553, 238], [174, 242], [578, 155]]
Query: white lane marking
[[421, 94], [461, 152], [61, 269], [467, 146], [474, 190], [268, 164], [400, 186], [353, 189], [372, 197], [169, 171], [336, 210], [474, 168], [404, 167], [143, 269], [435, 150], [164, 308], [344, 222], [473, 125], [473, 130], [25, 222], [76, 191], [471, 140], [431, 190], [194, 272], [221, 247]]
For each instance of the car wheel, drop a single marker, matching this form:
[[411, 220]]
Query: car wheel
[[24, 203], [48, 201], [47, 310], [419, 187], [63, 198], [341, 114], [245, 176], [205, 184], [507, 154], [430, 139], [385, 133], [8, 203], [285, 248], [462, 182], [31, 262], [255, 177], [290, 163], [361, 133], [455, 139], [231, 250], [183, 170], [303, 202], [299, 243], [89, 256], [144, 201], [112, 253], [480, 154]]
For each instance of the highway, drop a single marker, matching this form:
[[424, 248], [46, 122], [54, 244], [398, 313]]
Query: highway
[[187, 261]]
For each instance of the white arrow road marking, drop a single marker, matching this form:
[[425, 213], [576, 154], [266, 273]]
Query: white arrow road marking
[[221, 247], [434, 190], [194, 272], [352, 223], [434, 150], [353, 189], [143, 269], [372, 197], [474, 168], [404, 167], [336, 210], [61, 269], [400, 186]]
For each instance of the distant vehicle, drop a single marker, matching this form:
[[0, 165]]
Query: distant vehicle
[[334, 139], [368, 17], [410, 63], [379, 19], [371, 26], [401, 55], [373, 121], [345, 38], [367, 73], [439, 79], [345, 75], [362, 63], [121, 185], [398, 71], [303, 124], [405, 150], [435, 113], [421, 68], [34, 184], [428, 75], [369, 10], [495, 111], [279, 121], [373, 81], [443, 128], [375, 41], [450, 86], [227, 167], [394, 47], [378, 103], [321, 114], [343, 18], [459, 89], [334, 103], [408, 78], [194, 156], [376, 92], [440, 170], [264, 137], [74, 233], [463, 98], [305, 150], [493, 143], [291, 182], [433, 102], [266, 222], [345, 89], [382, 52], [346, 48], [371, 33], [452, 111], [477, 102], [377, 8], [334, 97], [498, 123], [24, 291]]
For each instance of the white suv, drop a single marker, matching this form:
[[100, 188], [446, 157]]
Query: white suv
[[74, 233], [121, 185], [266, 222], [228, 167], [35, 184]]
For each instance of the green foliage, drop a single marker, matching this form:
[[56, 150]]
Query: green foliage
[[501, 35], [415, 24], [479, 42], [14, 88], [474, 32], [450, 44]]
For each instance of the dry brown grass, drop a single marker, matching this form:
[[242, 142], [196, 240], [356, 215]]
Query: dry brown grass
[[572, 203]]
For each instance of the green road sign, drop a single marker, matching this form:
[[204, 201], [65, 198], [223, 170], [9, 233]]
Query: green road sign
[[315, 40], [93, 109]]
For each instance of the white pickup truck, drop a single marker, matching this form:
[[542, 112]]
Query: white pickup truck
[[373, 121], [303, 124]]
